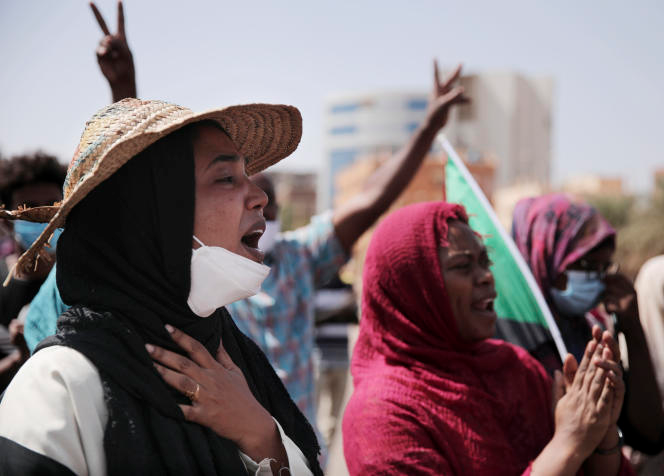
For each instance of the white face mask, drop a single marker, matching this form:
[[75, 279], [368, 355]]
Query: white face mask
[[269, 238], [220, 277]]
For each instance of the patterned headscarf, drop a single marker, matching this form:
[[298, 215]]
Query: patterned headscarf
[[552, 232]]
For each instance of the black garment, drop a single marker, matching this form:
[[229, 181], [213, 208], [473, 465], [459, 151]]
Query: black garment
[[17, 459], [142, 412], [17, 294], [124, 264], [14, 296]]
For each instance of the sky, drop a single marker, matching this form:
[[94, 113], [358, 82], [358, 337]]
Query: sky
[[606, 59]]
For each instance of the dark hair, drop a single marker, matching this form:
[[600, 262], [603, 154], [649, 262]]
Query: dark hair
[[195, 127], [24, 170]]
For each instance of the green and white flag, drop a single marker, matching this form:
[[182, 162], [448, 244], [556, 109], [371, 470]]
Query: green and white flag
[[522, 310]]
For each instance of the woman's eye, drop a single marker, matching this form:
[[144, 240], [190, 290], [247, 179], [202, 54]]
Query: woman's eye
[[464, 265], [226, 179]]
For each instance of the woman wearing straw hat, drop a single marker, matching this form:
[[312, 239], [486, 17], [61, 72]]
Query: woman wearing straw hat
[[147, 374]]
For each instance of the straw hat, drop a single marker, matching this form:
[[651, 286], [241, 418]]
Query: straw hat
[[263, 133]]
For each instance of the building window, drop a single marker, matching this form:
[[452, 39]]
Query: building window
[[417, 104], [348, 107], [411, 126], [335, 131]]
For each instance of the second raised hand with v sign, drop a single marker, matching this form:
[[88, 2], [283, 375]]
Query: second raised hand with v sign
[[115, 58]]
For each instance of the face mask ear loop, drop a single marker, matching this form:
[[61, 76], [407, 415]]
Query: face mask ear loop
[[199, 241]]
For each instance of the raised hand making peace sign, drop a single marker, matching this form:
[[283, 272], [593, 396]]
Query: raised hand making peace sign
[[115, 58], [444, 95]]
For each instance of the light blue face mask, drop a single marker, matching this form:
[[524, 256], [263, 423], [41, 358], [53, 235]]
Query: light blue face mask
[[27, 232], [581, 295]]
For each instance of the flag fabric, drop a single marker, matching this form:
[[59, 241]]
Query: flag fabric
[[524, 317]]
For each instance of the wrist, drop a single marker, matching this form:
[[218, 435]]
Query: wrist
[[571, 453], [123, 88], [558, 457], [431, 125], [611, 442], [259, 437]]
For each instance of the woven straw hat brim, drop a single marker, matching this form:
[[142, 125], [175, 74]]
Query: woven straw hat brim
[[35, 214], [263, 133]]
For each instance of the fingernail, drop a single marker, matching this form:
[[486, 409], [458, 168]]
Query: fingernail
[[169, 328], [149, 348]]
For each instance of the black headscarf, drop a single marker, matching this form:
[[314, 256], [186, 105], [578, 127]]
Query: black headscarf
[[124, 265]]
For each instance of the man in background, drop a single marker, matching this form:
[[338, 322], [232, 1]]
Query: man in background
[[30, 181]]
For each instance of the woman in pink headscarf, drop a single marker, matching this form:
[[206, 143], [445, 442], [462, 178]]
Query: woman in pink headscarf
[[569, 246], [435, 395]]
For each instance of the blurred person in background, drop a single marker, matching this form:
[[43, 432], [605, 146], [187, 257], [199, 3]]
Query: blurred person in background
[[569, 247], [336, 311], [25, 181], [435, 394], [649, 286]]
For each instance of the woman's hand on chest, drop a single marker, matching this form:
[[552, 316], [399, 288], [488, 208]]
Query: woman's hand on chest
[[220, 396]]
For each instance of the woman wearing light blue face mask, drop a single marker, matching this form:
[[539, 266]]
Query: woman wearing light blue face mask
[[25, 181], [569, 247], [30, 181]]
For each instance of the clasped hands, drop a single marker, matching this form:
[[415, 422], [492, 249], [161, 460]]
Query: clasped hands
[[588, 397]]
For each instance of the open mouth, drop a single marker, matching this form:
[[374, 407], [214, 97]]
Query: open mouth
[[251, 239], [250, 242], [485, 306]]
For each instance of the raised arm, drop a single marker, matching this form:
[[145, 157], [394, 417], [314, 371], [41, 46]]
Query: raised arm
[[386, 183], [114, 57]]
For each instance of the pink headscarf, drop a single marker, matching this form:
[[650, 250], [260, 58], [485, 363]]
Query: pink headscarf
[[425, 401], [552, 232]]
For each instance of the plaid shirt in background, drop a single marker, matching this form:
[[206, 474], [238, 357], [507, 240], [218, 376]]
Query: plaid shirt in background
[[280, 319]]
